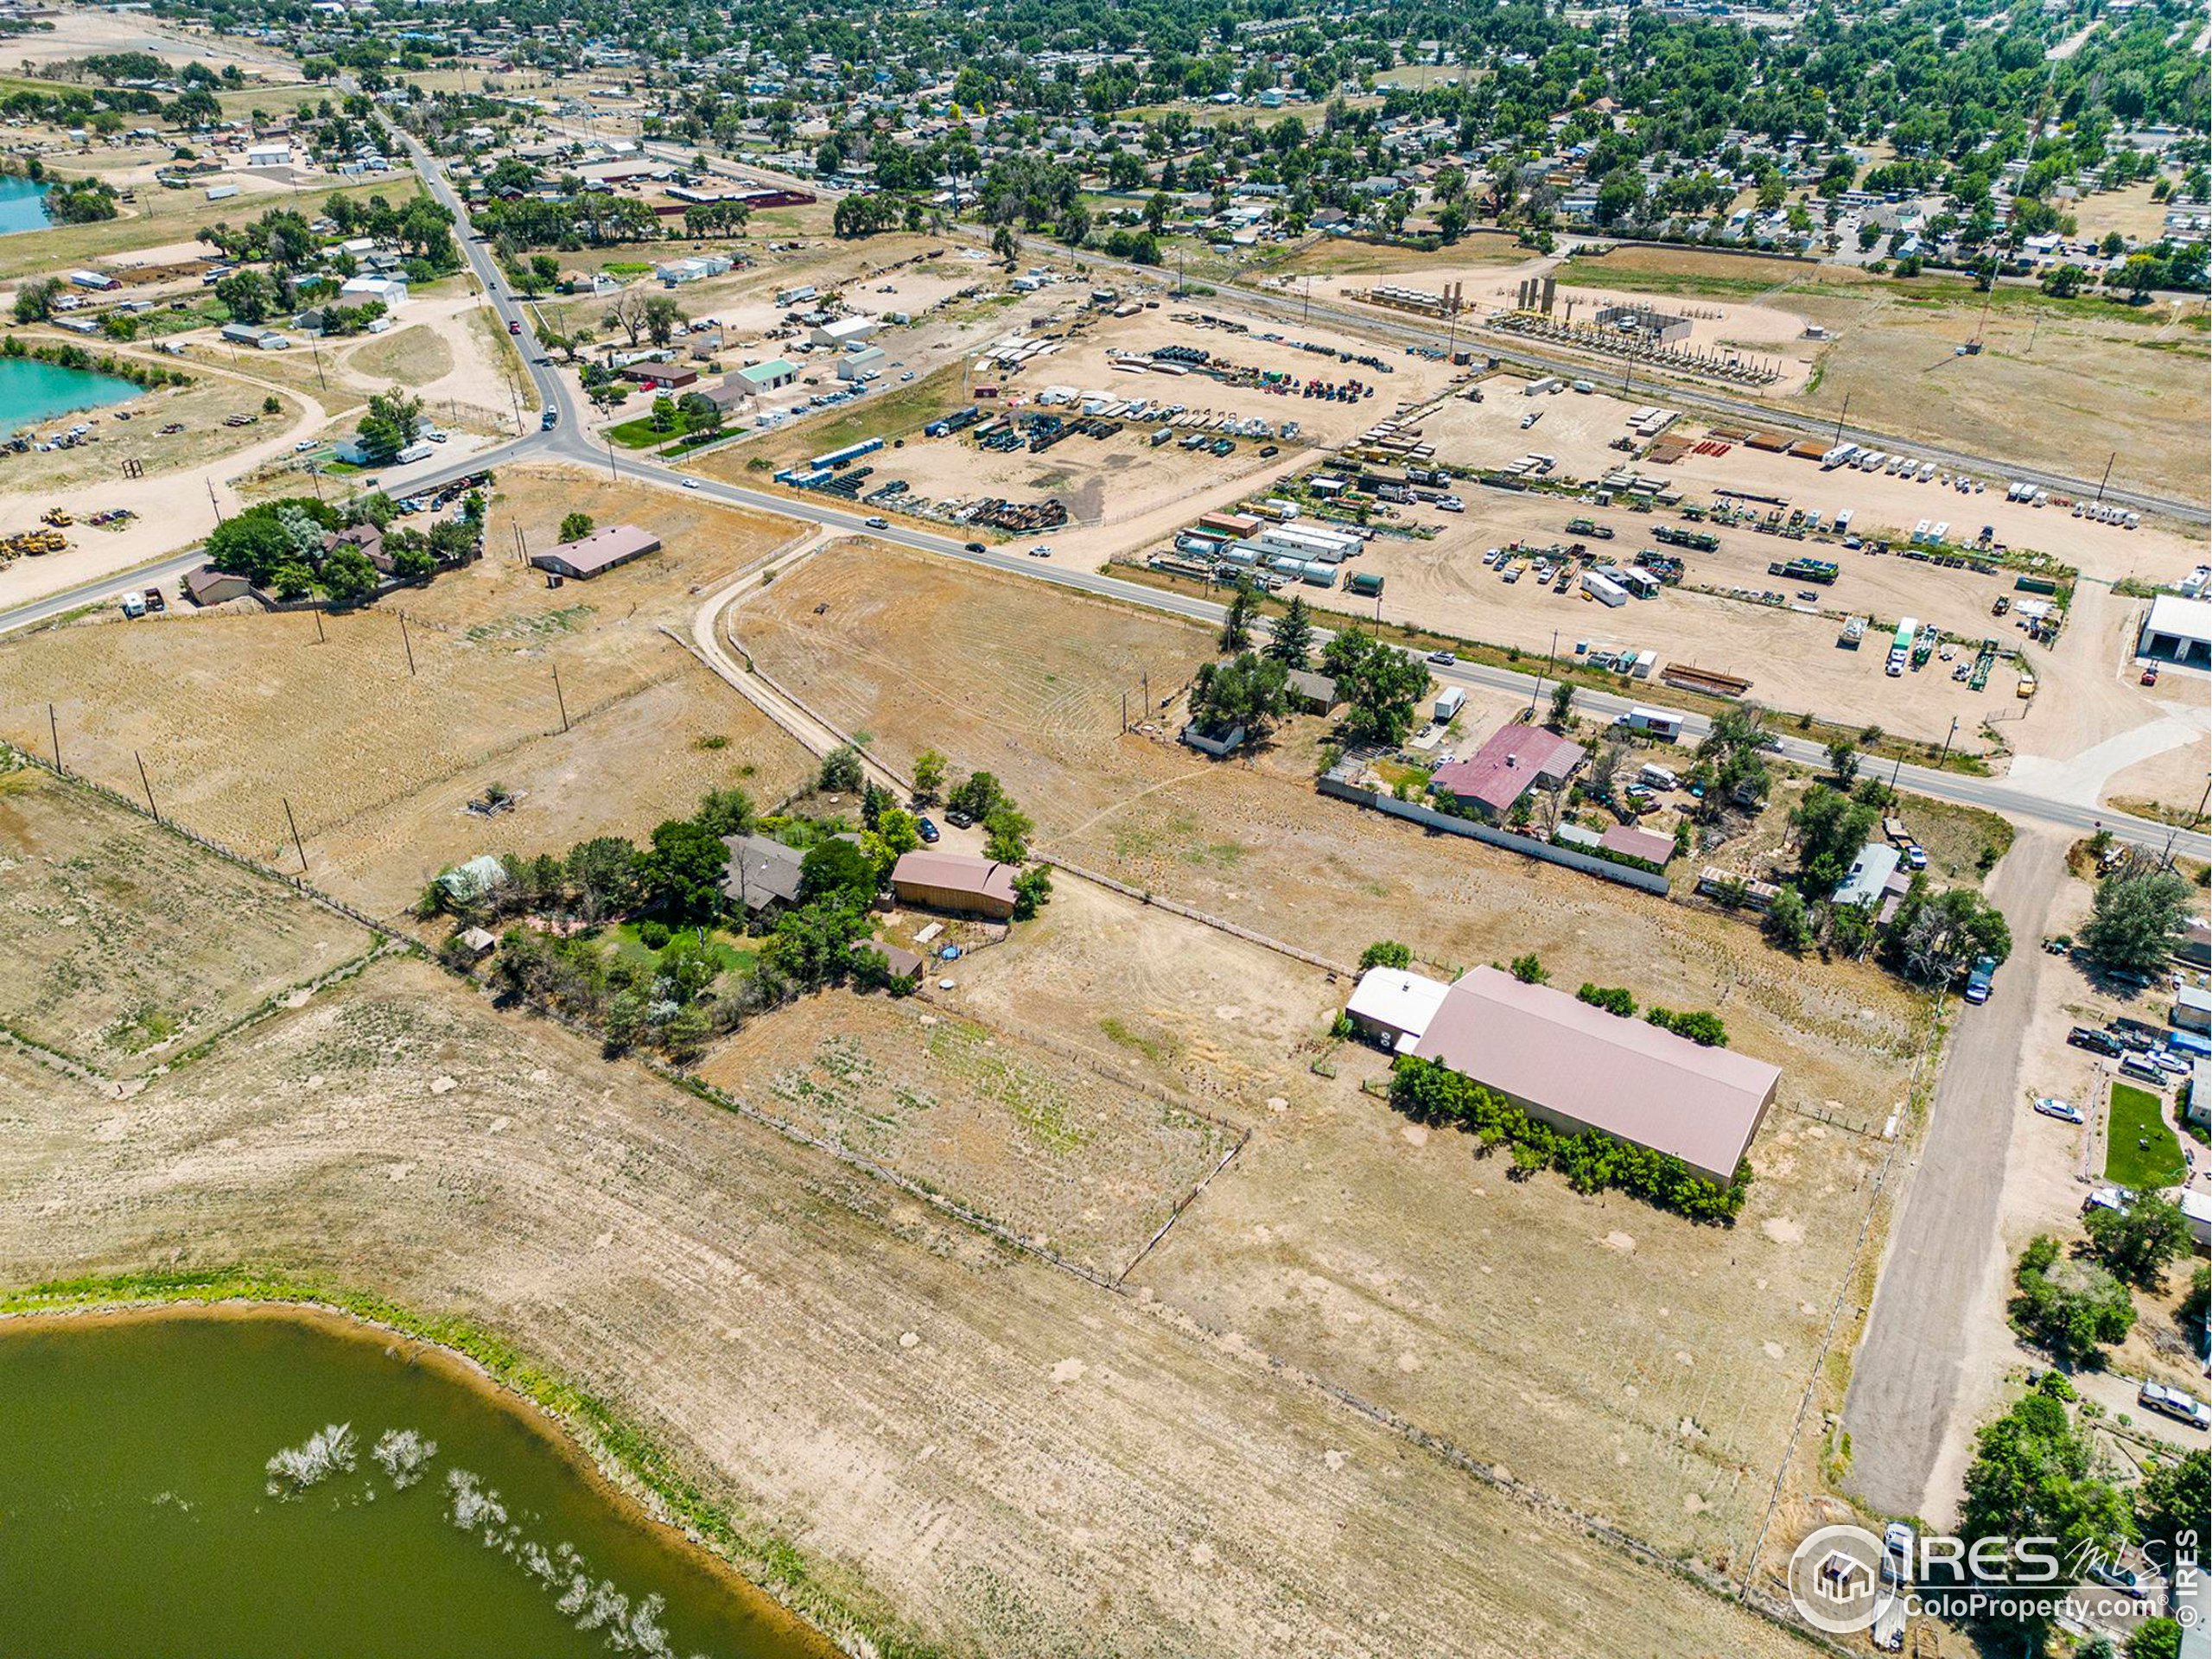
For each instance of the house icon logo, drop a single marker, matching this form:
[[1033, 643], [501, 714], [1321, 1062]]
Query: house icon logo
[[1835, 1580]]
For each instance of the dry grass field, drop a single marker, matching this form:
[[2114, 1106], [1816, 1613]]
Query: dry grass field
[[2059, 383], [1389, 1260], [122, 944], [1621, 1360], [234, 714], [1063, 1155], [414, 356], [999, 674], [972, 1446]]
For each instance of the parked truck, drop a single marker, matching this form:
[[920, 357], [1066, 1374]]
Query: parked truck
[[1449, 702], [1662, 724], [1590, 527]]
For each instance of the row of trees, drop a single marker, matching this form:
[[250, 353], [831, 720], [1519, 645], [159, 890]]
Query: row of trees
[[1592, 1160], [284, 547], [2077, 1304]]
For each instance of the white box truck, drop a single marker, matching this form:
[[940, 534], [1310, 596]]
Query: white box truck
[[1449, 702]]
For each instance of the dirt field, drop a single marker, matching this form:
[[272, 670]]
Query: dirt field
[[122, 944], [235, 714], [2060, 383], [994, 672], [999, 1452], [1064, 1156], [1654, 1367]]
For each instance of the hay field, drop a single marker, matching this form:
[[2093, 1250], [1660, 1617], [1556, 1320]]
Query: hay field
[[999, 674], [1064, 1156], [236, 714], [975, 1449], [122, 944]]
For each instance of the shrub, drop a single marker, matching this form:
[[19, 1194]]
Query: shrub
[[653, 935], [1613, 999], [1529, 970], [1385, 953], [1592, 1160]]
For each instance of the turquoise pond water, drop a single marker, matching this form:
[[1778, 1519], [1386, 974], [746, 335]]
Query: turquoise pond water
[[23, 205], [32, 393]]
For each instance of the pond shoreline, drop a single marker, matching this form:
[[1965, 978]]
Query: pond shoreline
[[633, 1475]]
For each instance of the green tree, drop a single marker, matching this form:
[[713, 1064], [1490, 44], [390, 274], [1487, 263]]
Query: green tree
[[2157, 1637], [1831, 829], [1380, 685], [1032, 890], [575, 526], [1237, 625], [348, 577], [248, 295], [1385, 953], [929, 776], [2171, 1503], [1787, 923], [1247, 691], [1562, 710], [2076, 1309], [2137, 1243], [1843, 760], [35, 299], [1935, 937], [1006, 833], [842, 772], [976, 796], [2034, 1476], [837, 868], [1290, 637], [683, 870], [603, 874], [393, 420], [2138, 915]]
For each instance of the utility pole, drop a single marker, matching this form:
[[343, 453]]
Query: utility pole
[[1841, 417], [53, 730], [563, 702], [2106, 479], [610, 475], [1946, 755], [149, 787], [213, 503], [321, 638], [408, 643], [296, 846]]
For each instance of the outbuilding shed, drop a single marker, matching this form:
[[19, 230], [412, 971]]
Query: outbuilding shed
[[1578, 1067], [601, 551], [959, 883]]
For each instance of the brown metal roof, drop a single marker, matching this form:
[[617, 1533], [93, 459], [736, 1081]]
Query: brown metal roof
[[1625, 1077], [956, 872], [610, 545]]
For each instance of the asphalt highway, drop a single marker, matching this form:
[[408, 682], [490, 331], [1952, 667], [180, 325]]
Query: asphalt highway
[[568, 441]]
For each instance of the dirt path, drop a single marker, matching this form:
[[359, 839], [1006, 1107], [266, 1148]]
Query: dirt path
[[172, 508], [1943, 1277]]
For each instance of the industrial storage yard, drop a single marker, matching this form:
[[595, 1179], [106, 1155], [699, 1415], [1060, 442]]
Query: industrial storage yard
[[1113, 911]]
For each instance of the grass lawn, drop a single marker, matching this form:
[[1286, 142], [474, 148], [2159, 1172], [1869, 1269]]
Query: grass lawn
[[642, 434], [729, 953], [2157, 1161]]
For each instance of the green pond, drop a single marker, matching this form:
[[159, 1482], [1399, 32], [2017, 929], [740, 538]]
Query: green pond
[[163, 1490], [33, 393]]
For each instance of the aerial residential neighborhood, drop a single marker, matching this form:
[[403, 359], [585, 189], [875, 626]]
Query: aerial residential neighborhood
[[1102, 831]]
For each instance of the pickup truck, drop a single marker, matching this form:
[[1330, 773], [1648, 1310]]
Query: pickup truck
[[1977, 981], [2172, 1402]]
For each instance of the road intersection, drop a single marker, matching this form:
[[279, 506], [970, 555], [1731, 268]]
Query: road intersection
[[567, 440]]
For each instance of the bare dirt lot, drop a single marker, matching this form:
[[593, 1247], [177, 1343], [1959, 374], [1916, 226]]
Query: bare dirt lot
[[997, 673], [122, 944], [235, 714], [2058, 383], [976, 1448], [1062, 1154]]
